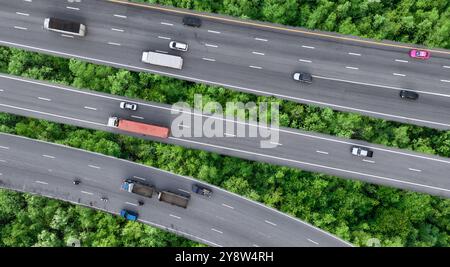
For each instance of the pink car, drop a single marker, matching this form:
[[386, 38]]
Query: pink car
[[421, 54]]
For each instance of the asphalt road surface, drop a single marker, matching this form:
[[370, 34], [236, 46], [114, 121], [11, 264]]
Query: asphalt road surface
[[304, 150], [225, 219], [350, 74]]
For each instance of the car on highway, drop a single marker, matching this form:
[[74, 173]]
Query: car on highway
[[361, 151], [178, 46], [128, 105], [129, 215], [420, 54], [302, 77], [404, 94], [201, 190], [192, 21]]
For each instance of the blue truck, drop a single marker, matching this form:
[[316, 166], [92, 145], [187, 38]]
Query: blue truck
[[129, 215]]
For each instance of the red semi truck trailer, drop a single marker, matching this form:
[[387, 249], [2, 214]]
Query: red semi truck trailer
[[138, 127]]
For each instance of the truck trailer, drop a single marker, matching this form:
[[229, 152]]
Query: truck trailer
[[137, 188], [161, 59], [138, 127], [174, 199], [65, 26]]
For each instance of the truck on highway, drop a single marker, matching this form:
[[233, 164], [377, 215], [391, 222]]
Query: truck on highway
[[162, 59], [64, 26], [174, 199], [138, 127], [129, 215], [137, 188]]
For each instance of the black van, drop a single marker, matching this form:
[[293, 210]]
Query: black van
[[192, 21]]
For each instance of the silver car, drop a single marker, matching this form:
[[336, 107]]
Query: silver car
[[127, 105], [178, 46]]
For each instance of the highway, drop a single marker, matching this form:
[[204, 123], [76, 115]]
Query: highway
[[225, 219], [299, 149], [350, 74]]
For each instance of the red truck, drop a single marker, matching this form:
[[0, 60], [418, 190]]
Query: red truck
[[138, 127]]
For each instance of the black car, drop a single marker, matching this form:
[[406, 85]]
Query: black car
[[409, 95], [302, 77], [198, 189], [192, 21]]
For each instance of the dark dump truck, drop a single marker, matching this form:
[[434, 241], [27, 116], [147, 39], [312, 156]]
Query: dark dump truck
[[174, 199], [65, 26], [137, 188]]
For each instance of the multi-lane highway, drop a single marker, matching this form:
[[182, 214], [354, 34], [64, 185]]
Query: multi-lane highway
[[350, 74], [225, 219], [308, 151]]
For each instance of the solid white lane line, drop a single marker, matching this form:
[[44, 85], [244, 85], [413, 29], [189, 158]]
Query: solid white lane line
[[258, 53], [269, 222], [401, 60], [414, 170], [120, 16], [309, 47], [45, 99], [20, 28], [208, 59], [112, 43], [4, 147], [140, 178], [215, 230], [132, 204], [322, 152], [398, 74], [211, 31], [185, 191], [40, 182], [73, 8], [228, 206], [48, 156], [95, 167], [305, 60], [179, 232], [161, 51], [352, 68], [382, 86], [261, 39], [117, 30], [230, 86], [52, 115], [68, 36], [446, 67], [22, 14], [91, 108], [255, 67], [137, 117], [322, 166], [354, 54], [176, 217], [369, 161], [312, 241], [87, 193], [445, 81], [163, 37], [211, 45]]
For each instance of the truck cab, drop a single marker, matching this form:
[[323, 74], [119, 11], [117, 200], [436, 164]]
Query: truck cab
[[129, 215]]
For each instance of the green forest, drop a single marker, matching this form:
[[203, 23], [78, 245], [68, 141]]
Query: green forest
[[424, 22], [352, 210]]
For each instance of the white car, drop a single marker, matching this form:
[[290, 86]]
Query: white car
[[361, 152], [127, 105], [178, 46]]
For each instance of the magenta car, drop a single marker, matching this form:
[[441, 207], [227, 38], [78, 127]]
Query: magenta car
[[421, 54]]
